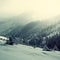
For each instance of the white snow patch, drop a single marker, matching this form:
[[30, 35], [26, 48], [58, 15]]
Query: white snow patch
[[3, 39]]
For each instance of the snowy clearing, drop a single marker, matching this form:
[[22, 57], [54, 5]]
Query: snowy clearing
[[22, 52]]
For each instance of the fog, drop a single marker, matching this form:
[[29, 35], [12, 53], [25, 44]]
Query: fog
[[38, 9]]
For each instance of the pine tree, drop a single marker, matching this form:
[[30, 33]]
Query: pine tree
[[55, 48]]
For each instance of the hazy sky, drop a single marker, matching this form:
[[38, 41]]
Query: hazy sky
[[42, 9]]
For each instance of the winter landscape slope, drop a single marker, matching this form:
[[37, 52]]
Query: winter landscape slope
[[22, 52], [13, 24], [16, 26], [40, 27], [23, 26]]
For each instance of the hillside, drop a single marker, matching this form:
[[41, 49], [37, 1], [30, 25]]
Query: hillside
[[12, 25]]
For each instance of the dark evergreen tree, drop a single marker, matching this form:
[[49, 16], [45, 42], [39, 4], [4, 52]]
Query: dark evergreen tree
[[10, 41]]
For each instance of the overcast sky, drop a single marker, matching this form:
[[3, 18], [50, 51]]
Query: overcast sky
[[42, 9]]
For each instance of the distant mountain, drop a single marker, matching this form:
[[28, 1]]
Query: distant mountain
[[22, 29], [42, 33], [40, 28], [13, 25], [23, 26]]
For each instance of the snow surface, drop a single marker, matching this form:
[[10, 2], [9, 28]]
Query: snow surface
[[22, 52], [3, 39]]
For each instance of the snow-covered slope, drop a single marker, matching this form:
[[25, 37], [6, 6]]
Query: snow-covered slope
[[22, 52]]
